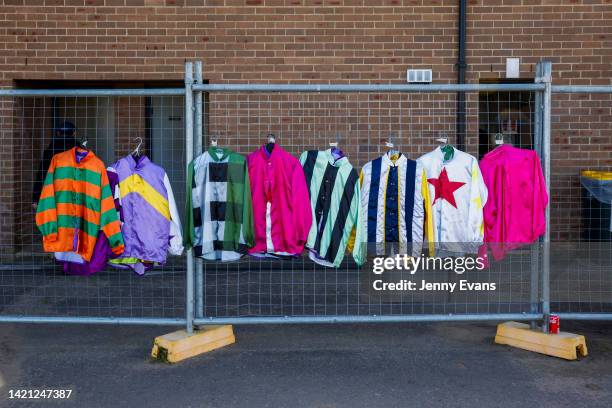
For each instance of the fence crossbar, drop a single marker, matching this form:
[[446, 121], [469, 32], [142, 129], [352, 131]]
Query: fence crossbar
[[370, 319], [366, 88], [92, 92]]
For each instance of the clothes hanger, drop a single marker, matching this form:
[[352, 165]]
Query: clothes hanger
[[271, 143], [499, 139], [447, 149], [83, 144], [335, 150], [391, 146], [136, 151]]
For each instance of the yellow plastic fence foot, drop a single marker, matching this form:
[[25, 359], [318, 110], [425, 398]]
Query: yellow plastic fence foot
[[179, 345], [563, 345]]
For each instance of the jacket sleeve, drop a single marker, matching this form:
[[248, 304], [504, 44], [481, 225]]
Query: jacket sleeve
[[351, 242], [46, 211], [418, 214], [302, 213], [540, 199], [312, 232], [490, 210], [189, 229], [247, 210], [478, 199], [359, 215], [109, 222], [427, 218], [176, 237], [303, 158], [113, 181]]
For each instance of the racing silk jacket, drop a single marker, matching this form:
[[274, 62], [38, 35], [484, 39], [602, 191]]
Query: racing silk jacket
[[281, 206], [219, 209], [515, 211], [150, 222], [454, 195], [392, 200], [75, 204], [74, 264], [335, 203]]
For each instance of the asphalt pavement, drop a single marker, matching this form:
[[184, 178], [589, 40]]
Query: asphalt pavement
[[398, 365]]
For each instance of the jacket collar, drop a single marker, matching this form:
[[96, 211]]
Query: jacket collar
[[401, 160], [440, 154], [142, 161], [218, 153], [268, 156], [336, 163], [498, 150], [73, 155]]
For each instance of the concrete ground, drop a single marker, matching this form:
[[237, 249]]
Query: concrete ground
[[420, 365]]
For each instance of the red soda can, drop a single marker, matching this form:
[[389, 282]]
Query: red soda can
[[553, 324]]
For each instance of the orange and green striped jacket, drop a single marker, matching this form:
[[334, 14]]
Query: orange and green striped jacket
[[75, 203]]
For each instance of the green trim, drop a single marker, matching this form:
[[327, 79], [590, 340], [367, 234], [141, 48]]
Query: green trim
[[214, 152], [188, 227], [448, 151], [124, 261]]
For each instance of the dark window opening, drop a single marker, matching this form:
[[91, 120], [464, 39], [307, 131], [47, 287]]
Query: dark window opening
[[505, 117]]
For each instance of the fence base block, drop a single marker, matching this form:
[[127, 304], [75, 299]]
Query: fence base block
[[179, 345], [563, 345]]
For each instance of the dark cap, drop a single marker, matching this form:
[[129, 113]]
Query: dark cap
[[67, 128]]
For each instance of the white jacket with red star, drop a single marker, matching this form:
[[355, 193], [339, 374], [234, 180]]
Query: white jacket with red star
[[454, 195]]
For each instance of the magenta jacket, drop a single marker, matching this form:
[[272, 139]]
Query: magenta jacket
[[515, 210], [281, 204]]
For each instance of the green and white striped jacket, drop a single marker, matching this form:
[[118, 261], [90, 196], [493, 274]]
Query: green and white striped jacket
[[335, 202]]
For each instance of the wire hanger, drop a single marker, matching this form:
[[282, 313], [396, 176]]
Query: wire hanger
[[136, 152], [447, 149], [391, 146], [271, 143], [499, 139], [335, 150], [83, 144], [442, 138]]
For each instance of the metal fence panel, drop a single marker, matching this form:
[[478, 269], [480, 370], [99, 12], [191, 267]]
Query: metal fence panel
[[581, 241], [361, 118], [33, 288]]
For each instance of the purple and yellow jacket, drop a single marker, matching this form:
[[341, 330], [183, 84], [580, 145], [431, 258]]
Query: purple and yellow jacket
[[150, 223]]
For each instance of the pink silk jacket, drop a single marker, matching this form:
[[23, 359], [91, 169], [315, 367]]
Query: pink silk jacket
[[515, 211], [281, 203]]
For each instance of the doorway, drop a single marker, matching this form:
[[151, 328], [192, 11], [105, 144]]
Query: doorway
[[165, 116], [505, 116]]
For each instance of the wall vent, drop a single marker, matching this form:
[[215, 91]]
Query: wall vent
[[419, 76]]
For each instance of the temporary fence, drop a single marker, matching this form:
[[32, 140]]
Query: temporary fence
[[32, 287], [176, 124], [581, 194]]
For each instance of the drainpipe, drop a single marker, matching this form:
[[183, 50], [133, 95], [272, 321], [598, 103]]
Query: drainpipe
[[461, 67]]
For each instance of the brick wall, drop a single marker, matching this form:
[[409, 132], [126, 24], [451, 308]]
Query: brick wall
[[320, 41]]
